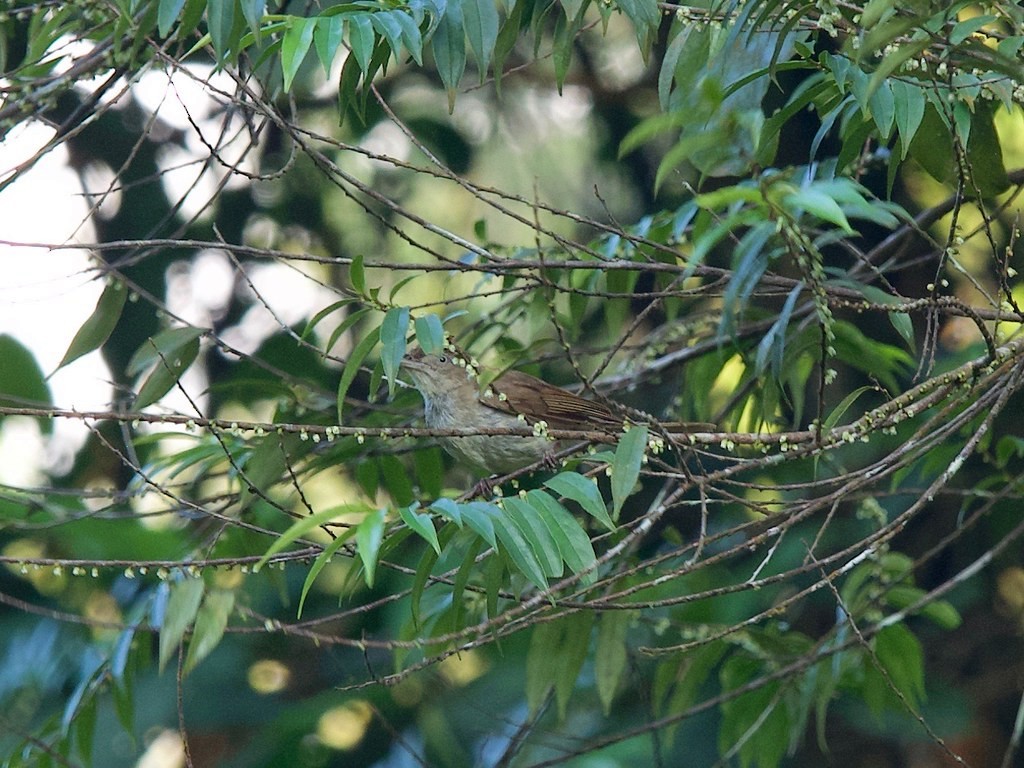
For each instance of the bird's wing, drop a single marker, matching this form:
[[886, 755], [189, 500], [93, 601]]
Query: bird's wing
[[521, 394]]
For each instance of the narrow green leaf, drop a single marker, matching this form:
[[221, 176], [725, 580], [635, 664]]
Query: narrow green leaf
[[344, 326], [480, 21], [469, 568], [646, 17], [576, 629], [352, 365], [542, 661], [182, 606], [564, 42], [480, 516], [252, 12], [429, 333], [160, 347], [528, 521], [629, 456], [393, 331], [771, 348], [329, 309], [909, 104], [294, 46], [508, 36], [449, 509], [422, 524], [369, 536], [572, 7], [85, 729], [357, 276], [883, 108], [99, 325], [22, 382], [419, 583], [900, 653], [900, 320], [166, 372], [361, 39], [389, 29], [410, 35], [817, 203], [211, 621], [304, 525], [584, 492], [220, 18], [610, 654], [518, 549], [327, 39], [318, 565], [572, 541], [449, 47], [684, 149], [167, 14]]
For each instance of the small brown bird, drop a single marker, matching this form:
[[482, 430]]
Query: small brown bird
[[452, 398]]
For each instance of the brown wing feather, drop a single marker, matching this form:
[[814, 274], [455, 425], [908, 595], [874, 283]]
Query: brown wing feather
[[520, 393]]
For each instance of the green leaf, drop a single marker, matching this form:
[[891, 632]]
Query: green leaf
[[318, 565], [160, 347], [220, 18], [168, 13], [327, 37], [357, 276], [85, 729], [294, 46], [900, 320], [883, 109], [329, 309], [610, 654], [389, 29], [900, 653], [352, 365], [480, 21], [211, 621], [174, 352], [449, 47], [22, 383], [771, 348], [909, 103], [344, 326], [421, 524], [584, 492], [528, 521], [557, 652], [576, 629], [252, 12], [99, 325], [684, 149], [542, 661], [629, 456], [646, 17], [817, 203], [182, 606], [430, 333], [450, 509], [361, 39], [480, 516], [410, 35], [572, 541], [369, 536], [266, 464], [304, 525], [393, 331], [517, 549]]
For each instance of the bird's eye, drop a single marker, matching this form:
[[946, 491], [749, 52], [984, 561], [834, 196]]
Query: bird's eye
[[442, 359]]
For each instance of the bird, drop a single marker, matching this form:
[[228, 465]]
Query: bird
[[450, 385]]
